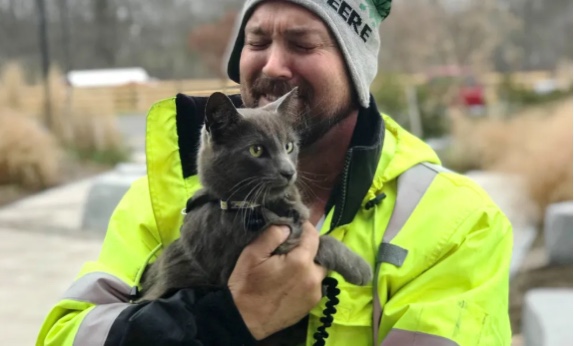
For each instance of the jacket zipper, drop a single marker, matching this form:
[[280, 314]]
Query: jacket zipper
[[343, 188]]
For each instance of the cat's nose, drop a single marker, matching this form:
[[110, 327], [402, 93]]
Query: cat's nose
[[287, 173]]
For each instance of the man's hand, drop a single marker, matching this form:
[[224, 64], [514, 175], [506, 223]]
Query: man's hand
[[275, 292]]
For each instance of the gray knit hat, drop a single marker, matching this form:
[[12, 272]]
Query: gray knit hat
[[354, 23]]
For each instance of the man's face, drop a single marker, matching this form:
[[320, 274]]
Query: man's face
[[288, 46]]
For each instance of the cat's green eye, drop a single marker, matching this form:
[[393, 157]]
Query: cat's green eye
[[256, 150], [289, 147]]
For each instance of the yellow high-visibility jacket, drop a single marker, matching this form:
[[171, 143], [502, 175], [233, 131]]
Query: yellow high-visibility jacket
[[441, 247]]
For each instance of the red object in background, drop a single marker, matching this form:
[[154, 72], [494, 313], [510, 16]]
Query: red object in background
[[471, 93]]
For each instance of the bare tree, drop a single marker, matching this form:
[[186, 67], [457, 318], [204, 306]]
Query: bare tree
[[210, 41], [409, 47], [156, 34], [105, 20], [423, 33]]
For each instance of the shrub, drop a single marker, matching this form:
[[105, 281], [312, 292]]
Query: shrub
[[390, 93], [12, 87], [82, 120], [517, 95], [29, 155], [433, 105]]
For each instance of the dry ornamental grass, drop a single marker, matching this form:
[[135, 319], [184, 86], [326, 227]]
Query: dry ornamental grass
[[29, 155], [535, 144]]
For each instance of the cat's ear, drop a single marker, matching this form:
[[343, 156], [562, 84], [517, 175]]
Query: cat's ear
[[288, 103], [220, 114]]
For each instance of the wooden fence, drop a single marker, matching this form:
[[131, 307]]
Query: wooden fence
[[138, 98]]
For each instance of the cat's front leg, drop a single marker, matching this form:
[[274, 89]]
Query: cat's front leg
[[295, 204], [292, 221], [334, 255]]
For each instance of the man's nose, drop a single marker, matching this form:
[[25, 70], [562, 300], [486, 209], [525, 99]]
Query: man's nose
[[277, 65]]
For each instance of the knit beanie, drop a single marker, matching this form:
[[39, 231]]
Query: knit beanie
[[354, 24]]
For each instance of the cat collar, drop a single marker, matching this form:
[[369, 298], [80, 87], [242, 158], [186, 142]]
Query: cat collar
[[235, 205]]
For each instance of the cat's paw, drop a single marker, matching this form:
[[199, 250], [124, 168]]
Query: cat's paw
[[360, 272], [334, 255]]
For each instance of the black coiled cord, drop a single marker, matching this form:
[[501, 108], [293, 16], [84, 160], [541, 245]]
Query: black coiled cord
[[331, 293]]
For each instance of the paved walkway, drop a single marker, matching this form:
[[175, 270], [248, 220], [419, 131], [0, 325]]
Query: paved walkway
[[35, 269], [42, 248], [58, 210], [41, 251]]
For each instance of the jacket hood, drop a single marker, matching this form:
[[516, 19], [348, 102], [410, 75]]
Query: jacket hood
[[402, 150]]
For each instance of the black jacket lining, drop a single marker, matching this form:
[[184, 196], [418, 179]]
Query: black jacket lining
[[190, 115]]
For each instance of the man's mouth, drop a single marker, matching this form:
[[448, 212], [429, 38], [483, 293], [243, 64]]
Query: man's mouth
[[266, 99]]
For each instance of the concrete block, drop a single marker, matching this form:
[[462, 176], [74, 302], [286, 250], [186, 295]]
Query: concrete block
[[523, 239], [558, 233], [547, 317], [441, 145], [105, 194]]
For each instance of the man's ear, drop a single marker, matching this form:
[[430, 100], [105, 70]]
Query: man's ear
[[220, 114]]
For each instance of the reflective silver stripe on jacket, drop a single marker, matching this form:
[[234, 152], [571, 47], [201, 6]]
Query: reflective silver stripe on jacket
[[411, 187], [98, 288], [399, 337], [109, 294], [96, 326]]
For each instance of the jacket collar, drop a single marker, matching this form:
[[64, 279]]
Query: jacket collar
[[190, 114], [361, 160], [361, 164]]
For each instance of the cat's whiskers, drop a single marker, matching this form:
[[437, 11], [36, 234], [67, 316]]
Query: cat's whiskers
[[260, 195], [318, 178], [254, 190], [249, 212], [238, 186], [266, 190], [309, 186], [307, 191]]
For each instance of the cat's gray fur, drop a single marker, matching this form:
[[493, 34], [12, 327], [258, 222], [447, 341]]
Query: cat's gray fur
[[211, 238]]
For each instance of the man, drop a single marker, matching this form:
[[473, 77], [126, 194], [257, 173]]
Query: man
[[440, 246]]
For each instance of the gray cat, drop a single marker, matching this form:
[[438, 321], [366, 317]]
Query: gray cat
[[247, 166]]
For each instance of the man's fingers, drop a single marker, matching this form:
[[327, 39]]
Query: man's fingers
[[322, 271], [310, 238], [269, 240]]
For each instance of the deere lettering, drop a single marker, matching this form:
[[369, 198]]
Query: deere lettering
[[351, 17]]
